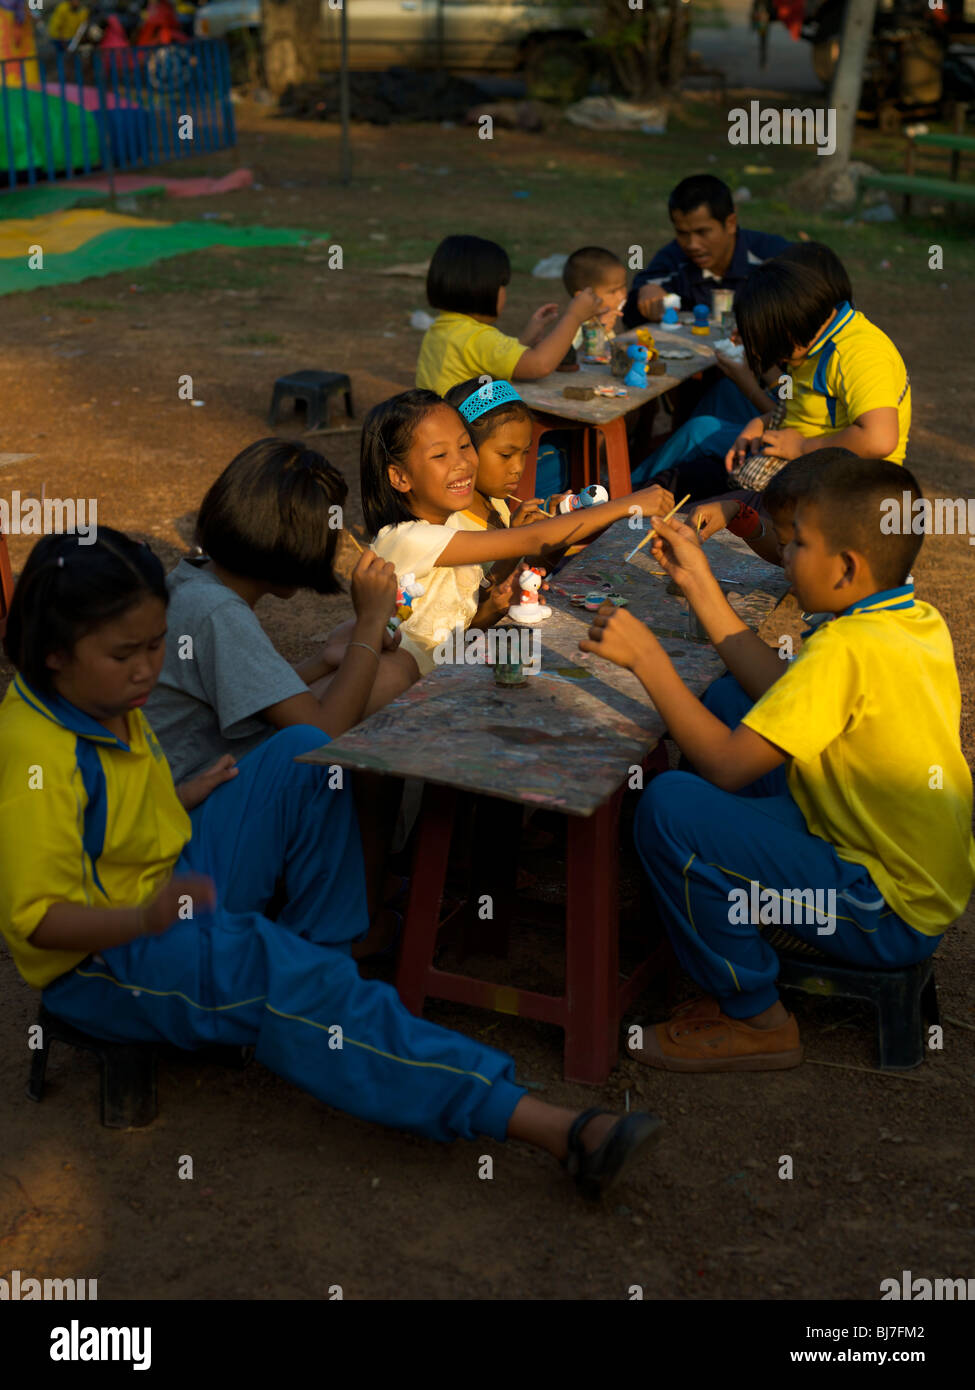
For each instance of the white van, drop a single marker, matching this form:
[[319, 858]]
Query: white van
[[529, 36]]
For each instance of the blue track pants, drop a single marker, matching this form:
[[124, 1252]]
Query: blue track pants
[[699, 844], [289, 987]]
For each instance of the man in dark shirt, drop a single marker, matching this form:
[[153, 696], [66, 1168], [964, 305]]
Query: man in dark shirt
[[710, 251]]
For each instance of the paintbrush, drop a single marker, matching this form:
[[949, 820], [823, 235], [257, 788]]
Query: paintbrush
[[650, 534], [510, 497], [355, 542]]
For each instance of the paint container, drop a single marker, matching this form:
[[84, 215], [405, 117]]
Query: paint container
[[722, 302], [695, 630], [509, 675]]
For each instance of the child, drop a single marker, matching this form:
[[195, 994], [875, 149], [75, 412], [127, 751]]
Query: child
[[418, 467], [593, 268], [763, 519], [849, 734], [143, 923], [500, 426], [850, 386], [693, 458], [466, 282], [265, 527]]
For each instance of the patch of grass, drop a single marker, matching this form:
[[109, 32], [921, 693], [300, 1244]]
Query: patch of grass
[[219, 268]]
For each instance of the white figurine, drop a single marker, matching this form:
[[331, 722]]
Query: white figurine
[[590, 496], [528, 609]]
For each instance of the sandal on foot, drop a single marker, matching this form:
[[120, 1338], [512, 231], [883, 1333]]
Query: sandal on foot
[[595, 1172], [702, 1043]]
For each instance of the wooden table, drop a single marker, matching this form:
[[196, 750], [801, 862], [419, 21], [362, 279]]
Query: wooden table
[[605, 416], [567, 741]]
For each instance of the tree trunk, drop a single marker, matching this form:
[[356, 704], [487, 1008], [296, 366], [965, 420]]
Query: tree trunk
[[290, 37], [844, 96]]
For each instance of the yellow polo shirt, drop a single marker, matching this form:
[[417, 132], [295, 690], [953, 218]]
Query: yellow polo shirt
[[84, 818], [869, 715], [457, 347], [851, 368]]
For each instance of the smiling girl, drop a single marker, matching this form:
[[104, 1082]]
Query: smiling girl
[[418, 471]]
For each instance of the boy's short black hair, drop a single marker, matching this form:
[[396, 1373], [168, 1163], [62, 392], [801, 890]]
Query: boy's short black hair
[[274, 514], [588, 267], [67, 590], [465, 275], [784, 490], [702, 190], [849, 494], [484, 426], [824, 259], [386, 438], [781, 306]]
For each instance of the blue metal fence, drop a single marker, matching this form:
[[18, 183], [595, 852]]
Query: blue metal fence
[[115, 109]]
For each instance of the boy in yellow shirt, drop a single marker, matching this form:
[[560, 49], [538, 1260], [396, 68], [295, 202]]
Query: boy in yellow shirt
[[839, 808]]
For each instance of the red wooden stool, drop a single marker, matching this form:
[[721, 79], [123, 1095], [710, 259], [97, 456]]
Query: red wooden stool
[[585, 457], [594, 999]]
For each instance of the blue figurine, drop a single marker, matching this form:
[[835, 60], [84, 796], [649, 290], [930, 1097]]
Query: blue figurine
[[637, 375], [702, 315]]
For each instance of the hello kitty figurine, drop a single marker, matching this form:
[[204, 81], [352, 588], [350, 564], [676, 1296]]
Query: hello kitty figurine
[[408, 590], [590, 496], [528, 609]]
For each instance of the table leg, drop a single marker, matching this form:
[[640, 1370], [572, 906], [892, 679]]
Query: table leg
[[617, 457], [426, 891], [592, 945]]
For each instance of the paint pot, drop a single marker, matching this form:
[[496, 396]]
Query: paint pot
[[509, 675], [722, 302], [695, 630], [594, 601]]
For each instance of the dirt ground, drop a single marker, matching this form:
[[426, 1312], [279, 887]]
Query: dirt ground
[[288, 1198]]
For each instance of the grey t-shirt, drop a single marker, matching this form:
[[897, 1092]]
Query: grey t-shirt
[[221, 669]]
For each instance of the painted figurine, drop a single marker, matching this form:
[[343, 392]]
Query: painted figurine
[[670, 318], [637, 375], [702, 319], [590, 496], [528, 609], [408, 590]]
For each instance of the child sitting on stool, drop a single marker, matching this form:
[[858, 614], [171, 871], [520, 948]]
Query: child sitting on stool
[[845, 775]]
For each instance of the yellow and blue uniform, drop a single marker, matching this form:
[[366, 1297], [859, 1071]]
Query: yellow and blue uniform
[[874, 804], [851, 368], [89, 818]]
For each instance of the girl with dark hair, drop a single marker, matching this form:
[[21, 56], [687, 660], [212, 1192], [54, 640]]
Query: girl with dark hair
[[849, 387], [467, 281], [140, 910], [418, 468], [269, 524]]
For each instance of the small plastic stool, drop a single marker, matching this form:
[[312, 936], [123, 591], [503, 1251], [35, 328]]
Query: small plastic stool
[[128, 1073], [315, 389], [902, 999]]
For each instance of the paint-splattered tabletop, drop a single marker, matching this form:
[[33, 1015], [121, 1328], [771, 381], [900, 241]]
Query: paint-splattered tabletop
[[546, 393], [568, 737]]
